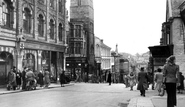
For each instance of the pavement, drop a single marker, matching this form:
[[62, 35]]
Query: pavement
[[155, 101], [148, 101], [3, 90]]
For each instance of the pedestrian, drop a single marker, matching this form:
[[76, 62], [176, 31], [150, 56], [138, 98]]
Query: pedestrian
[[24, 78], [142, 79], [18, 79], [40, 78], [126, 81], [62, 78], [109, 78], [11, 80], [181, 87], [47, 78], [132, 80], [158, 78], [171, 80]]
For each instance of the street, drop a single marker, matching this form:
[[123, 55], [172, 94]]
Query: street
[[78, 95]]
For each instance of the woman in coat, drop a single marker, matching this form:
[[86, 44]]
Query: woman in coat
[[132, 80], [47, 78], [18, 79], [171, 76], [62, 78], [158, 78], [11, 80], [40, 78], [143, 84], [109, 78]]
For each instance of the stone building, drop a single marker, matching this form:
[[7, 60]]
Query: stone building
[[32, 34], [81, 41], [172, 41]]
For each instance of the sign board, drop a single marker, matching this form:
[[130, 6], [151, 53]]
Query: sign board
[[159, 61]]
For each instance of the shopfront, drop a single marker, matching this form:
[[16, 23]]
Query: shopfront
[[6, 62], [44, 57]]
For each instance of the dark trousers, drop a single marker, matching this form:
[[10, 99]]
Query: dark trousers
[[109, 83], [171, 94], [24, 85], [142, 92]]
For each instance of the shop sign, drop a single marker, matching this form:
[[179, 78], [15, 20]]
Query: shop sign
[[159, 61]]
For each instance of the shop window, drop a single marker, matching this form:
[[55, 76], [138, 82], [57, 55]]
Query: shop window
[[27, 21], [41, 25], [8, 14], [45, 60], [29, 60], [78, 31], [78, 48], [71, 45], [52, 29]]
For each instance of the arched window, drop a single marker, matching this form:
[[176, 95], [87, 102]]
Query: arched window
[[7, 16], [60, 30], [41, 25], [52, 29], [27, 21], [60, 6], [52, 3]]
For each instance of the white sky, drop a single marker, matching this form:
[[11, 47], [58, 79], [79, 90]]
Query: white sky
[[132, 24]]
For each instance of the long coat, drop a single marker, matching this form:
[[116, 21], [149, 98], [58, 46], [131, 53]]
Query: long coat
[[12, 78], [109, 78], [18, 78], [47, 77], [142, 79], [159, 80], [62, 78], [132, 80], [40, 79]]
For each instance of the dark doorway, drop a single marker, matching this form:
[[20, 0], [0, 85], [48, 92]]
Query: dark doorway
[[6, 62], [53, 66]]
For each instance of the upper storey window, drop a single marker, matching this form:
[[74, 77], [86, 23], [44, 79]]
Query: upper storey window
[[41, 25], [60, 31], [79, 2], [52, 29], [8, 12], [52, 3], [78, 31], [60, 6], [27, 20]]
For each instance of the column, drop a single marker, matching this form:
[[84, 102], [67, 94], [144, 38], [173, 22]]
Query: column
[[47, 21], [56, 36], [39, 60]]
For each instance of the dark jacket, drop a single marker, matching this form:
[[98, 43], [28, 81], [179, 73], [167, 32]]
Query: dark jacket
[[142, 79], [62, 78], [40, 78], [18, 78]]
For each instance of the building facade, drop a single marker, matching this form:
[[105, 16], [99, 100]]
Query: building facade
[[82, 18], [32, 34], [172, 41], [102, 59]]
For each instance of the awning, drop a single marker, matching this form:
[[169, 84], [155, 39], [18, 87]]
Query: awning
[[161, 50]]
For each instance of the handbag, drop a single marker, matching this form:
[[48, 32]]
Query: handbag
[[145, 86]]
